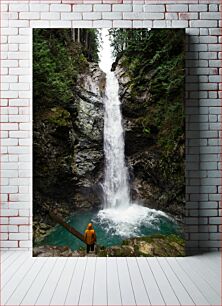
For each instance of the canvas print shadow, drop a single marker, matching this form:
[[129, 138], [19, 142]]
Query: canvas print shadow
[[108, 142]]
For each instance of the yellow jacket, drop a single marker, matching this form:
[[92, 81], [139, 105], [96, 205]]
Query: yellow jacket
[[90, 235]]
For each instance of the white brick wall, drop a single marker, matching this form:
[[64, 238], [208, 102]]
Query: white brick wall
[[201, 18]]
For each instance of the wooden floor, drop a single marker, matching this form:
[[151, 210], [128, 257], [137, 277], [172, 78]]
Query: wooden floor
[[110, 281]]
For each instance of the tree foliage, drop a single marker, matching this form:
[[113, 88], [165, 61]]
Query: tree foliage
[[57, 61], [127, 39]]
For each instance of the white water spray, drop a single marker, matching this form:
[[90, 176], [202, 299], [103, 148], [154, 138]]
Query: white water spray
[[115, 186]]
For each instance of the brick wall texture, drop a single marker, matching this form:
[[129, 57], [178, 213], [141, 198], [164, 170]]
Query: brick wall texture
[[202, 22]]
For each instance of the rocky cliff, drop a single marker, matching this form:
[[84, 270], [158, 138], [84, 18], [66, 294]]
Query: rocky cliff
[[68, 149], [153, 182], [87, 163]]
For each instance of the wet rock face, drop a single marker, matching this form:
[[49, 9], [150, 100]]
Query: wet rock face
[[146, 181], [87, 165], [148, 184], [133, 107], [133, 104], [68, 147]]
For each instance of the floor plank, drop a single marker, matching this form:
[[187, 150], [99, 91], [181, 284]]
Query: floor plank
[[126, 289], [213, 279], [86, 294], [62, 288], [113, 285], [166, 289], [190, 286], [139, 288], [47, 292], [180, 291], [100, 283], [110, 281], [4, 255], [40, 281], [74, 290], [10, 261], [17, 279], [13, 270], [210, 260], [208, 292], [20, 291], [152, 287]]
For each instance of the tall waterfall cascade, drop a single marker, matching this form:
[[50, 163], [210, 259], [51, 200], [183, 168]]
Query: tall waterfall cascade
[[119, 216], [115, 186]]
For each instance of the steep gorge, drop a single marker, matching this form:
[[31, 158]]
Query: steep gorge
[[68, 133]]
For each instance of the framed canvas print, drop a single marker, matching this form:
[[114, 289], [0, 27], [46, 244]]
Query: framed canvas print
[[108, 142]]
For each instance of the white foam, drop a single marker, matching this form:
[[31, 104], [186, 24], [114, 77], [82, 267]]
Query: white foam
[[127, 222]]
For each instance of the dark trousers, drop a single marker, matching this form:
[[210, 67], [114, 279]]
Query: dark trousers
[[90, 247]]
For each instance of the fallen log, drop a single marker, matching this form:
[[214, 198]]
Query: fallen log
[[68, 227]]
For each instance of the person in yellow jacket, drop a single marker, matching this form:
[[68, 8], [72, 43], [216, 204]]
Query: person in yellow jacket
[[90, 238]]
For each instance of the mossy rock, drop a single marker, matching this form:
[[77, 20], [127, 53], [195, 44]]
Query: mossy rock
[[59, 116], [156, 245], [149, 246]]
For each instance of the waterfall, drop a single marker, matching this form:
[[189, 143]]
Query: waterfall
[[115, 186], [119, 217]]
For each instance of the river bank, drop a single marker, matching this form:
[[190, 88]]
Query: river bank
[[156, 245]]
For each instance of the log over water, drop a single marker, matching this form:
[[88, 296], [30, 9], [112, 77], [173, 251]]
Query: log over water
[[69, 228]]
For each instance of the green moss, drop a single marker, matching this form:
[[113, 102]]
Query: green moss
[[102, 253], [151, 238], [125, 242], [177, 239], [59, 116]]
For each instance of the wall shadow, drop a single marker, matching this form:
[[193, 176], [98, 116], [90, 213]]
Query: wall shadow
[[192, 164]]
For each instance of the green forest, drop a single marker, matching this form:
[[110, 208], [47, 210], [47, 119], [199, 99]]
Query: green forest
[[68, 146], [59, 57]]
